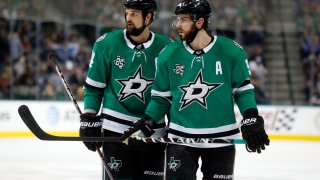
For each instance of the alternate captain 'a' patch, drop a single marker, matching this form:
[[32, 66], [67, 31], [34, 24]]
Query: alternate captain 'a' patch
[[197, 91], [135, 85]]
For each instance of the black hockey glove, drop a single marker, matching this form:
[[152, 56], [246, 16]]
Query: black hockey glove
[[252, 128], [140, 128], [90, 126]]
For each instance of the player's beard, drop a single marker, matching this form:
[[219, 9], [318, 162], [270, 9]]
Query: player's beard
[[134, 31], [189, 36]]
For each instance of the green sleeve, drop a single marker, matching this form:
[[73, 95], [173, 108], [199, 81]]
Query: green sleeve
[[93, 98], [245, 100], [159, 104], [244, 94], [97, 77]]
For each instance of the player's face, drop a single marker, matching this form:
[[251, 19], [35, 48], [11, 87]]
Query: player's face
[[184, 25], [134, 21]]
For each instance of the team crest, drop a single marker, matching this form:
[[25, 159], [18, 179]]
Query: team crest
[[197, 91], [135, 85], [179, 70], [119, 62], [115, 164], [174, 164]]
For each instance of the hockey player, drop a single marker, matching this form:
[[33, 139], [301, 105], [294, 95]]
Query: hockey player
[[204, 75], [120, 76]]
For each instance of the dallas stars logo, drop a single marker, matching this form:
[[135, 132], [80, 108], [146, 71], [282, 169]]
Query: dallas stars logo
[[174, 164], [115, 164], [135, 85], [197, 91]]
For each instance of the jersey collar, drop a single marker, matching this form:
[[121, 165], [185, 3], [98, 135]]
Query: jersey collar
[[145, 44], [205, 50]]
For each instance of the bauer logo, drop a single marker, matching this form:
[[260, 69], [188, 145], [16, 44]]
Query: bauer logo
[[53, 115]]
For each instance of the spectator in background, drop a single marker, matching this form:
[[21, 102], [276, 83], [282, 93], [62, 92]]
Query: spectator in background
[[253, 36], [257, 67], [48, 91], [4, 47], [76, 79], [259, 93], [25, 85], [5, 76], [16, 47]]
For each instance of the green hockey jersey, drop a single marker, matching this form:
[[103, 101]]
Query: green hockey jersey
[[120, 77], [203, 86]]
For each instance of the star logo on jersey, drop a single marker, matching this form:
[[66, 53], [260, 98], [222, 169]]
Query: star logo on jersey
[[174, 164], [115, 164], [119, 62], [135, 85], [197, 91]]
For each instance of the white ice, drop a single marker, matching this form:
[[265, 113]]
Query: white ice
[[33, 159]]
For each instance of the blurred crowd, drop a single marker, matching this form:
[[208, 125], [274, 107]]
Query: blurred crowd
[[309, 33], [31, 30]]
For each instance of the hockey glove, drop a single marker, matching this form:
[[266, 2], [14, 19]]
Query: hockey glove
[[252, 128], [140, 128], [90, 126]]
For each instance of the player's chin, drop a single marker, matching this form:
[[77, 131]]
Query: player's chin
[[182, 36], [130, 27]]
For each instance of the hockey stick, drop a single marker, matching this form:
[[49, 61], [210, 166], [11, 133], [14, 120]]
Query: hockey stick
[[31, 123], [64, 82]]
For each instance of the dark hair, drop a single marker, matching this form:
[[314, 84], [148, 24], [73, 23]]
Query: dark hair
[[146, 6], [196, 9]]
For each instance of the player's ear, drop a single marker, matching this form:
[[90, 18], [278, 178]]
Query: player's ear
[[148, 19], [199, 23]]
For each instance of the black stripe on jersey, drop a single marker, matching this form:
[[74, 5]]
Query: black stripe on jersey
[[128, 123], [86, 85], [246, 82], [215, 135], [115, 119]]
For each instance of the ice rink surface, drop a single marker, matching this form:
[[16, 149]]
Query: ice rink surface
[[33, 159]]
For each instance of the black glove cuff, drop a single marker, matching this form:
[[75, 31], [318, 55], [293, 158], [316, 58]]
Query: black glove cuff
[[89, 117], [253, 112]]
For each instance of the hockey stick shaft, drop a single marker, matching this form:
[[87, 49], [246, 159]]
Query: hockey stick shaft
[[31, 123], [73, 99], [64, 82]]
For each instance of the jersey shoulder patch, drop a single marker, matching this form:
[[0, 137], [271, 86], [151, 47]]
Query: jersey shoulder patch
[[101, 37], [237, 44]]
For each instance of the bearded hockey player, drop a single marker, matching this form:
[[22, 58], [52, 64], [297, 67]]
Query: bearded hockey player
[[203, 75], [120, 76]]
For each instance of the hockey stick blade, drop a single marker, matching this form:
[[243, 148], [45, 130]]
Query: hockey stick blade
[[31, 123]]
